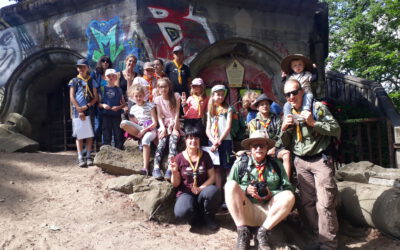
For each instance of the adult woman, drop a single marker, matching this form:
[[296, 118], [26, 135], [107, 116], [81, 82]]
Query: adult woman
[[127, 75], [193, 174], [99, 81], [159, 68]]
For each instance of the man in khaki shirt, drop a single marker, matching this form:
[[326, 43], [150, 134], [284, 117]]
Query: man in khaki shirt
[[308, 135]]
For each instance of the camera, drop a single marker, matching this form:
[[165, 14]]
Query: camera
[[261, 188]]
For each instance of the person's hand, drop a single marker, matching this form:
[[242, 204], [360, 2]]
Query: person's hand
[[162, 133], [82, 116], [172, 164], [287, 121], [252, 191], [126, 109], [183, 99], [115, 108], [195, 190], [272, 152], [106, 107], [283, 74], [82, 108], [140, 134], [308, 118]]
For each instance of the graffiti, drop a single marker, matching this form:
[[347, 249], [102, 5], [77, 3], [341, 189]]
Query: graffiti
[[168, 26], [15, 44], [108, 38]]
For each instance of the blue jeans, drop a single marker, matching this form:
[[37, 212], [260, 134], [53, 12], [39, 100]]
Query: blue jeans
[[190, 206], [98, 120], [110, 129]]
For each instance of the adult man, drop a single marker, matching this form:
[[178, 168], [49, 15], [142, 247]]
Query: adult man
[[309, 140], [258, 192], [177, 72]]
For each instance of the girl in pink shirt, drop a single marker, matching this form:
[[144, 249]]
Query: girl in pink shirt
[[194, 108]]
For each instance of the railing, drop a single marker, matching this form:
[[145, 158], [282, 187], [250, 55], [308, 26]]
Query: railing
[[368, 139]]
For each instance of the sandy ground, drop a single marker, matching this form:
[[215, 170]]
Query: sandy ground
[[46, 202]]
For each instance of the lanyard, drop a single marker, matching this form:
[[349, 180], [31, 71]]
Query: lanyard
[[194, 168]]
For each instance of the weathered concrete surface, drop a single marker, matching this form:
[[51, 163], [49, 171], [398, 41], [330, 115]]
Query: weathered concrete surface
[[19, 124], [367, 172], [119, 162], [155, 198], [371, 205], [11, 141]]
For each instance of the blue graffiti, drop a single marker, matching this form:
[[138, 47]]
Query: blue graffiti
[[108, 38]]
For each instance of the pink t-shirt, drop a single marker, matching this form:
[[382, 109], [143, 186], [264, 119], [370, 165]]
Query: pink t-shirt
[[167, 113], [191, 110]]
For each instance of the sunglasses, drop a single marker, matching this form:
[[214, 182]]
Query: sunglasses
[[105, 61], [258, 145], [294, 93]]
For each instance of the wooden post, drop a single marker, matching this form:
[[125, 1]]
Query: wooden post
[[379, 145], [359, 142], [390, 142], [369, 142]]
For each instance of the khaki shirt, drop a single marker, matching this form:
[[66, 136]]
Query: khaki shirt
[[315, 139], [273, 129]]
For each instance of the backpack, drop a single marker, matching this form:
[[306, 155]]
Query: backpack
[[244, 168], [238, 127]]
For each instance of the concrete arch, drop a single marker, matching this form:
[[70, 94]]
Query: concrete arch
[[266, 58], [36, 85]]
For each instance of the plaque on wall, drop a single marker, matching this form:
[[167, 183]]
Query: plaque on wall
[[235, 74]]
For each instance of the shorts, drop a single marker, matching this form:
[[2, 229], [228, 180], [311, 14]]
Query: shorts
[[255, 213], [148, 137]]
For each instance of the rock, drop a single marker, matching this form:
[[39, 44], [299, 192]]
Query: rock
[[367, 172], [155, 198], [125, 184], [18, 123], [371, 205], [119, 162], [11, 141]]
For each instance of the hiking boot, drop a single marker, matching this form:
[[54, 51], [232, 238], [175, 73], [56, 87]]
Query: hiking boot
[[243, 240], [81, 163], [262, 238], [168, 175], [89, 161], [157, 174], [210, 222]]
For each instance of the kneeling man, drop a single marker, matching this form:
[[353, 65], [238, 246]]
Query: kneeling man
[[258, 192]]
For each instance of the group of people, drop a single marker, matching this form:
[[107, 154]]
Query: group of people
[[258, 191]]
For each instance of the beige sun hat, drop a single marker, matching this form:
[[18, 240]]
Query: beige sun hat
[[258, 136], [285, 64]]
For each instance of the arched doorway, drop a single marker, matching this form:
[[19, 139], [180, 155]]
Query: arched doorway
[[38, 89], [261, 67]]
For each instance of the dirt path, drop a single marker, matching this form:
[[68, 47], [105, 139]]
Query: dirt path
[[46, 202]]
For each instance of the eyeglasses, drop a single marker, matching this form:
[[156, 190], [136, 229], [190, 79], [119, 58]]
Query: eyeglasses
[[294, 93], [105, 61], [258, 145]]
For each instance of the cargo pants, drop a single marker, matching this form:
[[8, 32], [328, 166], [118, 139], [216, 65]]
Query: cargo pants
[[318, 191]]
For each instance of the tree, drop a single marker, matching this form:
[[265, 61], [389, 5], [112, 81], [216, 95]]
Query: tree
[[365, 39]]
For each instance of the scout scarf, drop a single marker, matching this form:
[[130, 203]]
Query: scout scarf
[[265, 124], [298, 130], [218, 110], [87, 89], [198, 100], [260, 171], [194, 168], [179, 67], [150, 81]]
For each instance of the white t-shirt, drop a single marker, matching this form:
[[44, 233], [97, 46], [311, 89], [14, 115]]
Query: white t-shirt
[[142, 113]]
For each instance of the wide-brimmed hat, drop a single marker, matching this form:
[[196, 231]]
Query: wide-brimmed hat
[[177, 48], [82, 62], [110, 72], [197, 82], [148, 65], [258, 136], [285, 64], [218, 87], [261, 98]]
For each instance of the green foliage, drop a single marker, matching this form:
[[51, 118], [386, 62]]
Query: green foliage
[[395, 96], [365, 39]]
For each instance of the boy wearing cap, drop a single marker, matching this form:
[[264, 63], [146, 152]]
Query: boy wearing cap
[[258, 192], [148, 81], [111, 104], [177, 72], [83, 95], [300, 68]]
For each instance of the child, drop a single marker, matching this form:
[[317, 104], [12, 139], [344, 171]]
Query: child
[[300, 68], [195, 106], [271, 123], [247, 101], [83, 95], [142, 122], [168, 104], [148, 81], [111, 103], [219, 123]]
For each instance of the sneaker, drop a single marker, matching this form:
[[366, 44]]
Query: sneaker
[[89, 161], [140, 146], [168, 174], [81, 163], [210, 222], [243, 240], [157, 174], [262, 238]]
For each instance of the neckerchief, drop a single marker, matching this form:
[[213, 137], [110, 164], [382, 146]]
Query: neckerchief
[[298, 130], [87, 89], [150, 81], [198, 100], [194, 168], [260, 171], [265, 124], [179, 67], [217, 111]]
